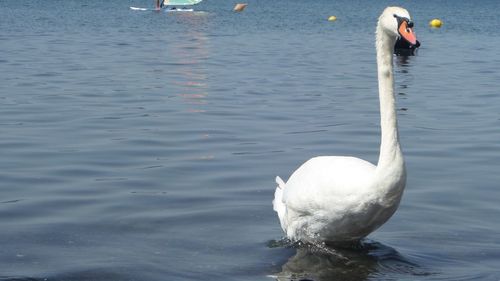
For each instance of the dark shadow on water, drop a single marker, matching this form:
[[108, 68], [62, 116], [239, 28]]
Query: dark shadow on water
[[403, 63], [404, 77], [367, 259]]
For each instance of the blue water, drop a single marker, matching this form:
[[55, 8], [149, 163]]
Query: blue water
[[137, 145]]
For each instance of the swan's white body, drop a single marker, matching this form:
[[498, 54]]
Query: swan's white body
[[340, 199]]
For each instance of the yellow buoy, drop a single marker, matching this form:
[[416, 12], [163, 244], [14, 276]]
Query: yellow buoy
[[332, 18], [240, 7], [437, 23]]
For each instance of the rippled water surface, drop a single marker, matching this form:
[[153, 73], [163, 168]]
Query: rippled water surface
[[141, 145]]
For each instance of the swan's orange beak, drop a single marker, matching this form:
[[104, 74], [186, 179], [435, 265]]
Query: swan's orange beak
[[407, 32]]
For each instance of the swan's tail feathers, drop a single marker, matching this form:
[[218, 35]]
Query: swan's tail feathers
[[278, 204], [280, 182]]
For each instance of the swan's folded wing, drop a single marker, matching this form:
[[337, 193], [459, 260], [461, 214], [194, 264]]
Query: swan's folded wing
[[327, 182]]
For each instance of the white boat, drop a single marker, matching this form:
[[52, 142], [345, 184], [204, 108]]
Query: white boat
[[179, 5], [171, 5]]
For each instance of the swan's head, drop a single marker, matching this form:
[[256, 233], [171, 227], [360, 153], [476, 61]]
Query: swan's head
[[396, 22]]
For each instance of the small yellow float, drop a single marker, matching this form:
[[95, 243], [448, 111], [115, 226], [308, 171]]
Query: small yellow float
[[332, 18], [436, 23]]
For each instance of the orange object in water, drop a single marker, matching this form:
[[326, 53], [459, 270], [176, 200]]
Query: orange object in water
[[240, 7]]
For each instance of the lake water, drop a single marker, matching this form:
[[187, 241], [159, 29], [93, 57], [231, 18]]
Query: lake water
[[142, 145]]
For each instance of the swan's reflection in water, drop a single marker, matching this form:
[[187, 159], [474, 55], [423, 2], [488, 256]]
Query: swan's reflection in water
[[362, 261], [404, 77], [403, 62]]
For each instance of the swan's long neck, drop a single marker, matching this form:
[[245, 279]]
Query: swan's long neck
[[390, 151]]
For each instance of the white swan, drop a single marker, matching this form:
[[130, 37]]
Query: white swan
[[339, 199]]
